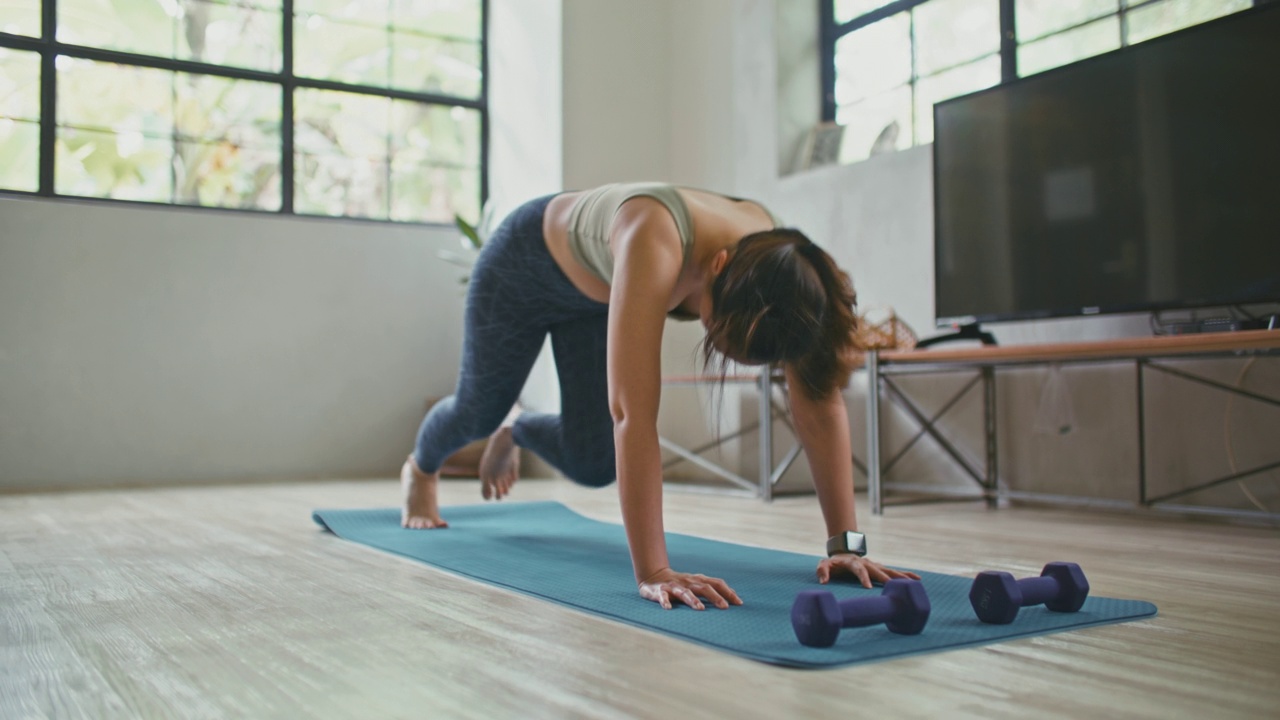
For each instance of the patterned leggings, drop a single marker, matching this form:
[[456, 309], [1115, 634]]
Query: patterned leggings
[[517, 295]]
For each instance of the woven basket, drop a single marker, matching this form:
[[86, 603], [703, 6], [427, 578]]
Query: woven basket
[[881, 329]]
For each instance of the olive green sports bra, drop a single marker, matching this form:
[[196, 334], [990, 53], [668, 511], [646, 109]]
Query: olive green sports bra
[[592, 215]]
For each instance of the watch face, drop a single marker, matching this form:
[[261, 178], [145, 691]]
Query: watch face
[[847, 542]]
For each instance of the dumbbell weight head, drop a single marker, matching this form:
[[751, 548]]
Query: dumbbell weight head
[[910, 594], [1075, 586], [817, 616], [997, 597]]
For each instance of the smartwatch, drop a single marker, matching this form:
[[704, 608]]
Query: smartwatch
[[848, 542]]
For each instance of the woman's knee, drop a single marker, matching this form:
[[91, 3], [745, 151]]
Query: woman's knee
[[469, 420], [592, 472]]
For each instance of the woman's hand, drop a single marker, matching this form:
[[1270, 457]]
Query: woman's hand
[[666, 585], [865, 570]]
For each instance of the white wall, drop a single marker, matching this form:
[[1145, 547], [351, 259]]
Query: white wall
[[617, 91], [166, 345], [161, 345], [526, 140]]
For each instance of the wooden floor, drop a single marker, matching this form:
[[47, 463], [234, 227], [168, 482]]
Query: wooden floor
[[229, 603]]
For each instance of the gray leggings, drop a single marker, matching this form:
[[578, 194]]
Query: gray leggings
[[516, 296]]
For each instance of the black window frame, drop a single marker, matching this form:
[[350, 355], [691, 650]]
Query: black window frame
[[830, 32], [50, 49]]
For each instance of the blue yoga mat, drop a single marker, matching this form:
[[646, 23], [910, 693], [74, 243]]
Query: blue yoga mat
[[546, 550]]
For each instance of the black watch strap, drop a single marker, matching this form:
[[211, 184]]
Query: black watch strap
[[849, 542]]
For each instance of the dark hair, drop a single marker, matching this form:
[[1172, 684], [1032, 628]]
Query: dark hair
[[782, 299]]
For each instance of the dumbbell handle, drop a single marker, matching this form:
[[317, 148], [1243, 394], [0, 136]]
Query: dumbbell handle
[[1037, 590], [863, 611]]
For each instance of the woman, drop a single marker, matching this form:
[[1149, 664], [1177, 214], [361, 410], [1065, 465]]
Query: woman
[[600, 271]]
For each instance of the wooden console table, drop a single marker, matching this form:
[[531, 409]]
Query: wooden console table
[[1144, 352]]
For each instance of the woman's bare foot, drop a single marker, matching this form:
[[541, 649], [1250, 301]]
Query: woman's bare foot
[[420, 511], [500, 464]]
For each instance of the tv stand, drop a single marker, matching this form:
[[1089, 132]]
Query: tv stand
[[972, 331], [1148, 354]]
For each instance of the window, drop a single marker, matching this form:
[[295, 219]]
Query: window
[[886, 62], [352, 108]]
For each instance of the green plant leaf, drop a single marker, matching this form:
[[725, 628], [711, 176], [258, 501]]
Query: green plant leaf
[[469, 231]]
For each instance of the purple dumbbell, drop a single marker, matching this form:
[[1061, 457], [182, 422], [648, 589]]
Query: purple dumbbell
[[996, 597], [817, 616]]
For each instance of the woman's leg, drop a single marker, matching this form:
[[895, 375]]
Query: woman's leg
[[509, 311], [503, 332], [578, 441]]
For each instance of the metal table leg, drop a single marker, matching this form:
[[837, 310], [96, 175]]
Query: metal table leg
[[873, 432], [766, 434]]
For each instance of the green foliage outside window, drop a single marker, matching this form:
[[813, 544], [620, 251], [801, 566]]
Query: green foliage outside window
[[206, 127]]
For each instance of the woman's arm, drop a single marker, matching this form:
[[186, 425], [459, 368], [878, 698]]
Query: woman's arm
[[822, 426], [648, 258], [646, 266]]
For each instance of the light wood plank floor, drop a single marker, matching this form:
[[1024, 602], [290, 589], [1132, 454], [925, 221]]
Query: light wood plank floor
[[227, 602]]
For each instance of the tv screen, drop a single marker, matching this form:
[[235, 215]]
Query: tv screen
[[1144, 179]]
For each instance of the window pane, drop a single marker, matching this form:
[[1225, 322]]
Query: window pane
[[435, 134], [20, 17], [342, 151], [19, 85], [847, 10], [457, 19], [232, 35], [127, 166], [965, 79], [420, 45], [141, 26], [1037, 18], [435, 169], [873, 59], [372, 12], [19, 120], [1055, 50], [229, 139], [429, 64], [241, 33], [1162, 18], [364, 156], [326, 48], [145, 134], [876, 125], [952, 32], [115, 98], [19, 155], [226, 174], [241, 111], [427, 193]]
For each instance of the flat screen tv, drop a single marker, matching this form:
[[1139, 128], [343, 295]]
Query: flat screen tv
[[1144, 179]]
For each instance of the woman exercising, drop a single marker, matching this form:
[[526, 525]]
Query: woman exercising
[[600, 270]]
